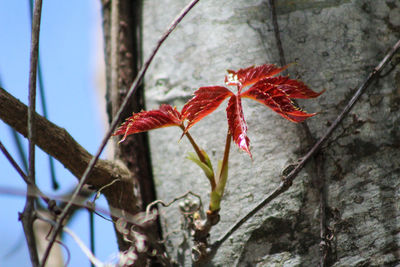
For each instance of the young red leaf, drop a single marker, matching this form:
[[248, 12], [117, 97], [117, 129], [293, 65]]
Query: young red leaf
[[205, 101], [251, 74], [237, 124], [277, 100], [292, 88], [148, 120]]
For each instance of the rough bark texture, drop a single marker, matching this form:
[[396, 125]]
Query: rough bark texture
[[336, 45]]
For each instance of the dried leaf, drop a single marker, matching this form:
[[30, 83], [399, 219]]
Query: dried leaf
[[148, 120], [237, 124], [205, 101], [251, 74]]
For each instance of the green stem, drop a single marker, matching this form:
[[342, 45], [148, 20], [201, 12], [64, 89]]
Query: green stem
[[216, 195], [199, 154], [194, 145], [221, 179]]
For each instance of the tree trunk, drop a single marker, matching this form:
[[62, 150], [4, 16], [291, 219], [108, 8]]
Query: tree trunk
[[336, 44], [123, 59]]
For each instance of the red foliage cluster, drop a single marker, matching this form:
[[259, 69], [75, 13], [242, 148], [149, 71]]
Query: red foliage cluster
[[274, 92]]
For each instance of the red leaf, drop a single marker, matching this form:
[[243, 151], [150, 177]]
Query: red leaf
[[277, 100], [148, 120], [205, 101], [292, 88], [237, 124], [252, 74]]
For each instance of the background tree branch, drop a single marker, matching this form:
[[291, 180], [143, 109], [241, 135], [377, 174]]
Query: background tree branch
[[57, 142]]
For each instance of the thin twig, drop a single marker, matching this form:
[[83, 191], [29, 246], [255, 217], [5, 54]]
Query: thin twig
[[99, 211], [36, 191], [14, 163], [78, 241], [28, 215], [64, 199], [42, 95], [114, 123], [32, 88], [92, 235], [287, 182], [43, 218], [104, 187], [20, 149], [150, 206]]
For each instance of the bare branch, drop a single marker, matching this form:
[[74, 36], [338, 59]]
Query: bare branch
[[59, 143], [44, 105], [80, 203], [37, 13], [14, 163], [20, 149], [288, 180], [28, 215], [36, 190]]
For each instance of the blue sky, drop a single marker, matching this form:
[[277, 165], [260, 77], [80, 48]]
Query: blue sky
[[69, 54]]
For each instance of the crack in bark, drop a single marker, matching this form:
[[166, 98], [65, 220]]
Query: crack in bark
[[317, 161]]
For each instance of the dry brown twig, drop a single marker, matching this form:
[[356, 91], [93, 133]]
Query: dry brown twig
[[27, 217]]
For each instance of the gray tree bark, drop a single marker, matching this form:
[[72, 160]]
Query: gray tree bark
[[335, 44]]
